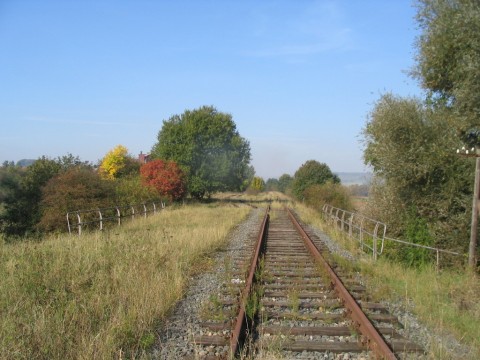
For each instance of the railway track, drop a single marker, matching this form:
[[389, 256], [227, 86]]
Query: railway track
[[281, 296]]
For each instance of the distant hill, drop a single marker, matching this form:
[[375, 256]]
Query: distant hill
[[25, 162], [354, 178]]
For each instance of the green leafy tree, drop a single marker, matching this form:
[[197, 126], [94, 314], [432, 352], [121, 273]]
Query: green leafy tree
[[448, 58], [284, 183], [411, 149], [311, 173], [207, 146]]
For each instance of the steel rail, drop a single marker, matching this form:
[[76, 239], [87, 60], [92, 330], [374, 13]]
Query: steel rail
[[238, 332], [372, 337]]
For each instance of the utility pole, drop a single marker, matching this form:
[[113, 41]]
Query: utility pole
[[472, 258]]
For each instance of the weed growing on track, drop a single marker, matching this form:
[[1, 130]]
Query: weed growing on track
[[446, 301], [101, 295]]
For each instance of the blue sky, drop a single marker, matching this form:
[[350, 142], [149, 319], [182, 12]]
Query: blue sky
[[299, 77]]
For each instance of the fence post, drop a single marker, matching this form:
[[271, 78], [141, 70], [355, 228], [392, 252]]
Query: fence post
[[375, 239], [101, 219], [119, 216], [145, 210], [133, 212], [361, 233], [68, 223], [336, 218], [343, 219], [350, 225], [154, 208], [438, 261], [79, 224]]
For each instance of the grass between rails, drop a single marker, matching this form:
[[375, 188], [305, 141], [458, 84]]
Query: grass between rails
[[101, 295], [446, 301]]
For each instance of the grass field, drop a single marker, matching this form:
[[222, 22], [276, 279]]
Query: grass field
[[101, 295]]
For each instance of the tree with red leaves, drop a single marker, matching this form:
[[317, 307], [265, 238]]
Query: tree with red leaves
[[166, 177]]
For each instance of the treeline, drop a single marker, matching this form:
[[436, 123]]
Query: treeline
[[422, 187], [198, 153], [313, 183]]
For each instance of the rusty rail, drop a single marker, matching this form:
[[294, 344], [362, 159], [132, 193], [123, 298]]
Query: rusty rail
[[372, 337], [238, 332]]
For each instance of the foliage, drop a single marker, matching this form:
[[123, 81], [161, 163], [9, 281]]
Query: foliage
[[257, 185], [21, 189], [272, 184], [284, 183], [207, 146], [448, 57], [117, 163], [310, 173], [411, 149], [21, 205], [78, 188], [130, 190], [165, 177], [329, 193]]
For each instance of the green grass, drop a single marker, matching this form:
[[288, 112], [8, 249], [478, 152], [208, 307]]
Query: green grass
[[101, 295]]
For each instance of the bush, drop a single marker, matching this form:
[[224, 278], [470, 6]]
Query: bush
[[333, 194], [165, 177], [78, 188]]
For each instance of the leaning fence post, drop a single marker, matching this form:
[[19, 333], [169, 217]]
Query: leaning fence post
[[154, 208]]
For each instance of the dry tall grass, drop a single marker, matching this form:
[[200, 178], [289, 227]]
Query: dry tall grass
[[99, 296]]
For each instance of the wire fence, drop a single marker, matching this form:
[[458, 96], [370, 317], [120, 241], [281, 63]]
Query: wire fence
[[80, 220], [371, 233]]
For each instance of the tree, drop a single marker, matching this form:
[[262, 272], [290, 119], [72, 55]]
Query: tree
[[117, 163], [272, 184], [284, 183], [448, 58], [78, 188], [410, 147], [166, 177], [205, 143], [21, 210], [311, 173], [257, 185]]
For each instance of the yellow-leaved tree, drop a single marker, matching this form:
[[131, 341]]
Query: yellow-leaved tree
[[117, 162]]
